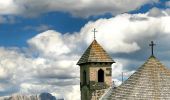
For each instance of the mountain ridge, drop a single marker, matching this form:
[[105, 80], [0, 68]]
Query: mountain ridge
[[42, 96]]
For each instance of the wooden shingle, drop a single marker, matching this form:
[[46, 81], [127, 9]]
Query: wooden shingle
[[95, 53], [150, 82]]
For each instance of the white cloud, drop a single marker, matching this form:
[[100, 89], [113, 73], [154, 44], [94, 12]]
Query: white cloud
[[73, 93], [20, 74], [118, 67], [3, 73], [83, 8], [49, 43], [9, 7], [113, 30], [156, 12], [116, 82]]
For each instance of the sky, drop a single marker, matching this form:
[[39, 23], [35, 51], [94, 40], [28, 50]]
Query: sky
[[42, 40]]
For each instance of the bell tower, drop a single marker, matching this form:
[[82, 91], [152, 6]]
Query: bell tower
[[95, 72]]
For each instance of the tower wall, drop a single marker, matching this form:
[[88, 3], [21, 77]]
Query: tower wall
[[84, 87], [106, 67], [94, 89]]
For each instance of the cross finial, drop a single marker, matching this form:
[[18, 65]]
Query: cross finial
[[94, 31], [152, 45]]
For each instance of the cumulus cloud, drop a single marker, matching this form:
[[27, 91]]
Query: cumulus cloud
[[167, 11], [51, 41], [156, 12], [20, 74], [49, 63], [82, 8], [9, 7]]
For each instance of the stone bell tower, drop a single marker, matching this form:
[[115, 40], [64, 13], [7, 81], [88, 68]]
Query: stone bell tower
[[95, 72]]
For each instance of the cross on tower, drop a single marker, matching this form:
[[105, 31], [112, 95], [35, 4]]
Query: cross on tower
[[152, 45], [94, 31]]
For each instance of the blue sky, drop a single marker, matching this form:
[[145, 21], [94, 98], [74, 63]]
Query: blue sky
[[41, 41], [15, 34]]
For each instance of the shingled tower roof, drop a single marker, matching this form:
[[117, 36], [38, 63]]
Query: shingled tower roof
[[95, 53], [150, 82]]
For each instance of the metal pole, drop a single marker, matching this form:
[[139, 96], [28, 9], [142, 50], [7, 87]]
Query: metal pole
[[122, 77]]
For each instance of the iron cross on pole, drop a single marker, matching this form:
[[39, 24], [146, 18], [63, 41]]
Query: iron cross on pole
[[94, 31], [152, 45]]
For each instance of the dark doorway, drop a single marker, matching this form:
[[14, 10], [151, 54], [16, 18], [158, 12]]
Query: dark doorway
[[100, 75], [84, 77]]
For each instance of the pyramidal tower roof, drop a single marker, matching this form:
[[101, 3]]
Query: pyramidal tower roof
[[150, 82], [95, 53]]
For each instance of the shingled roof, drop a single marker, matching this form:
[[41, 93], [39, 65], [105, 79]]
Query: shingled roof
[[150, 82], [95, 53]]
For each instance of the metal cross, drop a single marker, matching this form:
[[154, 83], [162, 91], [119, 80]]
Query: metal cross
[[94, 31], [152, 45]]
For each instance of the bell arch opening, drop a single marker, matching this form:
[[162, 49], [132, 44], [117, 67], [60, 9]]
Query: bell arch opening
[[84, 77], [100, 75]]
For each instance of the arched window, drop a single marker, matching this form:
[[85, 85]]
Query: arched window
[[100, 75], [84, 77]]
